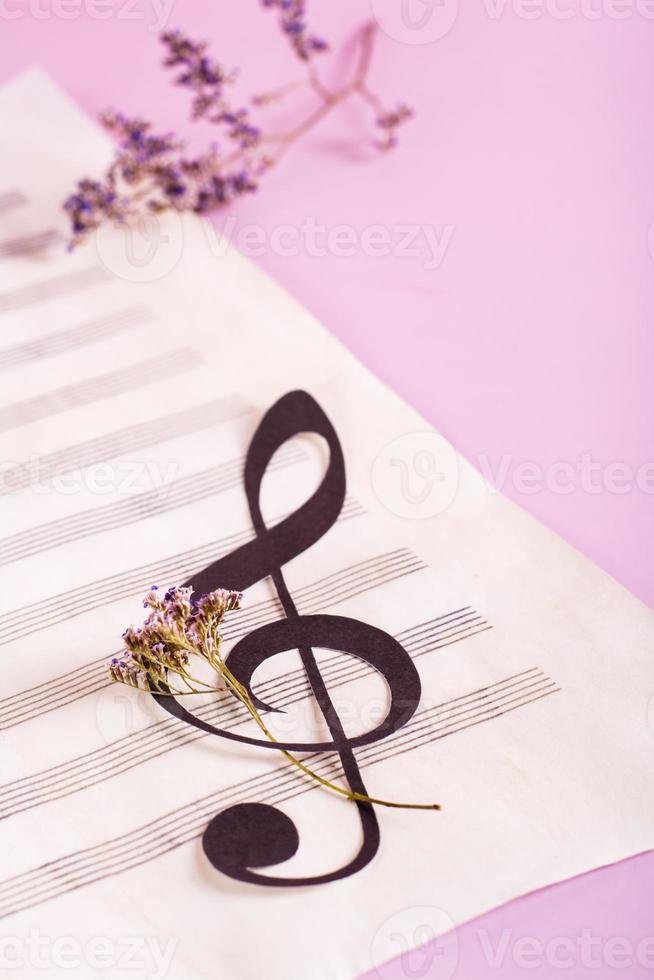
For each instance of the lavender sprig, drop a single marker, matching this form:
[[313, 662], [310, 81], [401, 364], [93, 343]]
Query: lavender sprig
[[152, 173], [177, 629], [293, 22]]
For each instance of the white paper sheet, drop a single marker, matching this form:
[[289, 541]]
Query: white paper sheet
[[126, 411]]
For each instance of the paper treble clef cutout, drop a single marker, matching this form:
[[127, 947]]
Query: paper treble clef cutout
[[254, 835]]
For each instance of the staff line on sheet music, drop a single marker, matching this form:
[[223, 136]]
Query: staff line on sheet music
[[121, 441], [467, 619], [259, 613], [162, 499], [31, 244], [72, 338], [436, 628], [125, 753], [23, 297], [102, 387], [68, 605], [345, 584], [165, 834], [105, 768], [177, 819], [144, 573], [336, 583]]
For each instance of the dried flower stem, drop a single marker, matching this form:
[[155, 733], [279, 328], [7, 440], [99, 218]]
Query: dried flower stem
[[244, 697], [233, 685], [331, 99], [178, 627]]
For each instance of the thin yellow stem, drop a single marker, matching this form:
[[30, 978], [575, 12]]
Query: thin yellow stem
[[244, 697], [210, 651]]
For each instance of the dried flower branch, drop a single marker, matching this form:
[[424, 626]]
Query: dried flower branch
[[293, 21], [152, 172], [179, 628]]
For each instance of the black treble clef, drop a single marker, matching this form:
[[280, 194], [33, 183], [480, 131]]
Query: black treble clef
[[255, 835]]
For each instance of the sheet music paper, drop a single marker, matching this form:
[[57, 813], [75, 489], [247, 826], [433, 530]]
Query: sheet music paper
[[126, 413]]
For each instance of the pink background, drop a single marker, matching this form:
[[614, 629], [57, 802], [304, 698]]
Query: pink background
[[532, 341]]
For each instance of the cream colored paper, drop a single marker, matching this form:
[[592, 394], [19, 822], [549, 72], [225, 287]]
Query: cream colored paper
[[536, 667]]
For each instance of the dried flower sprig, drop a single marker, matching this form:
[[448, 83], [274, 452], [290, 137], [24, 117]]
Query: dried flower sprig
[[179, 627], [294, 24], [152, 173]]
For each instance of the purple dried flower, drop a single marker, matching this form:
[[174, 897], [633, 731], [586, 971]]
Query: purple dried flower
[[218, 603], [150, 172], [177, 627], [177, 603], [135, 139], [293, 22], [389, 123], [91, 203], [393, 119], [241, 130], [206, 78], [127, 671]]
